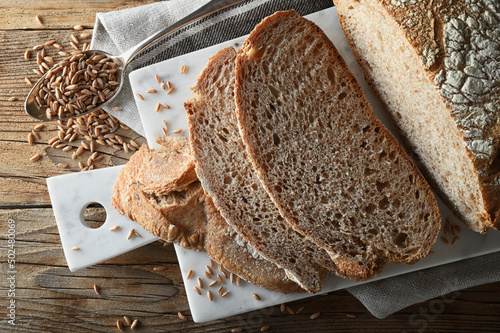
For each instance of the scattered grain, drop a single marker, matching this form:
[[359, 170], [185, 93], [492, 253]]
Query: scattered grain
[[62, 165], [238, 281], [350, 315], [74, 38], [78, 27], [220, 278], [28, 81], [299, 309], [224, 294], [177, 131], [231, 278], [116, 108], [114, 228], [421, 272], [57, 46], [35, 157], [198, 291], [152, 91], [96, 289], [130, 233], [164, 130], [31, 139], [201, 283], [38, 20], [158, 107], [264, 328], [444, 239], [127, 320], [213, 283], [189, 274], [181, 316], [290, 310], [210, 296], [256, 296], [282, 307], [85, 35], [163, 86], [119, 325], [169, 84], [75, 248], [207, 274], [27, 54], [236, 330], [134, 324], [184, 69], [454, 240], [139, 96], [315, 315], [158, 79], [159, 268], [171, 91], [37, 47]]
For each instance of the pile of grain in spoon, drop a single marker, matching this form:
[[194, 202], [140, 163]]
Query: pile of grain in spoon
[[77, 85]]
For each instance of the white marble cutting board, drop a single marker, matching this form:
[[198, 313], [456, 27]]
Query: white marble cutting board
[[240, 300]]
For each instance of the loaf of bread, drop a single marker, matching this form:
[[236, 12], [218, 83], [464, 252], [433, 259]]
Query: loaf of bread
[[156, 189], [228, 177], [435, 65], [337, 175]]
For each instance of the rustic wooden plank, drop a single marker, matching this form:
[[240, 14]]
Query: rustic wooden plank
[[51, 298], [62, 14]]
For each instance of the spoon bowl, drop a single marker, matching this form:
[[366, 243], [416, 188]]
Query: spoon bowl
[[39, 112]]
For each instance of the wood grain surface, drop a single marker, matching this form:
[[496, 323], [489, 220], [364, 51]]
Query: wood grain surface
[[50, 298]]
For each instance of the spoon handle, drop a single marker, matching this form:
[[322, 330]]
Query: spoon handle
[[209, 8]]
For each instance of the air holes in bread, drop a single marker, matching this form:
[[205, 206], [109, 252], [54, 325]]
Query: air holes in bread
[[276, 139], [384, 203], [331, 75], [401, 240]]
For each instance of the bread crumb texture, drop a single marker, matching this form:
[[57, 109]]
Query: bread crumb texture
[[335, 172]]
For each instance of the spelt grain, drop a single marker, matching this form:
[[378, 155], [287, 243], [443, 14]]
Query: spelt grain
[[127, 320], [114, 228], [38, 20], [75, 248], [315, 315], [35, 157]]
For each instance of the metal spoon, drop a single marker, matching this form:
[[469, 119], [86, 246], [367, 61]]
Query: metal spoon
[[31, 107]]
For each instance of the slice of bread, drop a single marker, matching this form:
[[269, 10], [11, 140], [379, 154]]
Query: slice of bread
[[435, 66], [186, 216], [337, 175], [228, 177]]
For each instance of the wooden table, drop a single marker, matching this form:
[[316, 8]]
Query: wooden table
[[49, 298]]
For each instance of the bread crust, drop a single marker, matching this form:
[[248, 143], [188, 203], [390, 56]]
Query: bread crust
[[175, 208], [454, 42], [252, 51]]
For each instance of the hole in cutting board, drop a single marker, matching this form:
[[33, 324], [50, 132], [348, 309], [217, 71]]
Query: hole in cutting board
[[94, 215]]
